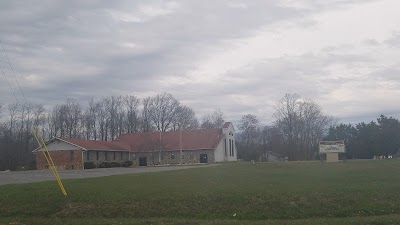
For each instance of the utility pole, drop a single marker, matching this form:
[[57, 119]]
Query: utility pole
[[180, 141], [159, 152]]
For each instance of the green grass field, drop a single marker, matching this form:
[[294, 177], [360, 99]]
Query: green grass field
[[357, 192]]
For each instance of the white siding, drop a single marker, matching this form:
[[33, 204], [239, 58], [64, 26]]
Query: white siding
[[219, 152], [226, 132]]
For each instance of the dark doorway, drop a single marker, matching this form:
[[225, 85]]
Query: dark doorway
[[203, 158], [142, 161]]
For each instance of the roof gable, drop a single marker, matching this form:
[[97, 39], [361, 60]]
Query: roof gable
[[57, 139], [228, 125]]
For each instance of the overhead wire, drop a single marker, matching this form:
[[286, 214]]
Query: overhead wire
[[9, 84], [35, 131], [15, 96], [12, 69]]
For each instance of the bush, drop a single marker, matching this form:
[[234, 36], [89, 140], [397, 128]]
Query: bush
[[32, 165], [89, 165], [104, 165], [127, 164], [115, 164], [20, 168]]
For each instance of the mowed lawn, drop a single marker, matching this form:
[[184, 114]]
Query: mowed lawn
[[355, 192]]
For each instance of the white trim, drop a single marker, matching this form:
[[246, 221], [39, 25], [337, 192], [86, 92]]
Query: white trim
[[60, 139], [107, 150], [70, 143]]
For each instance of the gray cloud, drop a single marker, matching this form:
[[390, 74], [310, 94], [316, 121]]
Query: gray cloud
[[92, 49]]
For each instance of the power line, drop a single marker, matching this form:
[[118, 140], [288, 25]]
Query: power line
[[12, 69], [9, 84]]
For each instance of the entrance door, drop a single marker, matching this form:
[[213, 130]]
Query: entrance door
[[142, 161], [203, 158]]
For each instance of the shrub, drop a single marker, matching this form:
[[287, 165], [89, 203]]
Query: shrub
[[104, 165], [115, 164], [20, 168], [127, 164], [31, 165], [89, 165]]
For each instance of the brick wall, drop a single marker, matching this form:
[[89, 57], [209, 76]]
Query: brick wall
[[172, 157], [63, 159], [100, 156]]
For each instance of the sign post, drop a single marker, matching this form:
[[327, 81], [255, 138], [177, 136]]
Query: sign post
[[331, 149]]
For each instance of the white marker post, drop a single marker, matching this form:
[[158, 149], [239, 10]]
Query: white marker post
[[332, 149]]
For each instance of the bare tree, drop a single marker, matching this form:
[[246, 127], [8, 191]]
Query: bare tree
[[13, 110], [132, 113], [185, 119], [38, 113], [74, 117], [213, 120], [103, 119], [250, 139], [303, 125], [89, 121], [114, 110], [250, 130], [162, 110], [145, 118]]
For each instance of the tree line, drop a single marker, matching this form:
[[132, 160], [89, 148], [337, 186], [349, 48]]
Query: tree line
[[366, 140], [103, 119], [300, 124], [298, 127]]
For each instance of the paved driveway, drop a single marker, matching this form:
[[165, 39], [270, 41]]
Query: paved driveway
[[43, 175]]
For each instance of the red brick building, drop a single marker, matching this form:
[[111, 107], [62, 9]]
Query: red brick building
[[143, 149]]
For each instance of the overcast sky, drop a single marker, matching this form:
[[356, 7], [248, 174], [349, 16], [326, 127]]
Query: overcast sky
[[239, 56]]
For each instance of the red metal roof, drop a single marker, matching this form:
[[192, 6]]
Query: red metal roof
[[142, 142], [97, 145], [191, 140]]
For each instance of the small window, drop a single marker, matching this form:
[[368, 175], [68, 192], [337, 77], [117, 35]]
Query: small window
[[233, 148], [230, 147], [172, 156], [72, 167], [71, 155], [225, 148]]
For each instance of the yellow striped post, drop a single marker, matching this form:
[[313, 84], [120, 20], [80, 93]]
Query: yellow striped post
[[42, 145]]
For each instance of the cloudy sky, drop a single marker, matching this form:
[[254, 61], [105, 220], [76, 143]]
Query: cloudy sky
[[239, 56]]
